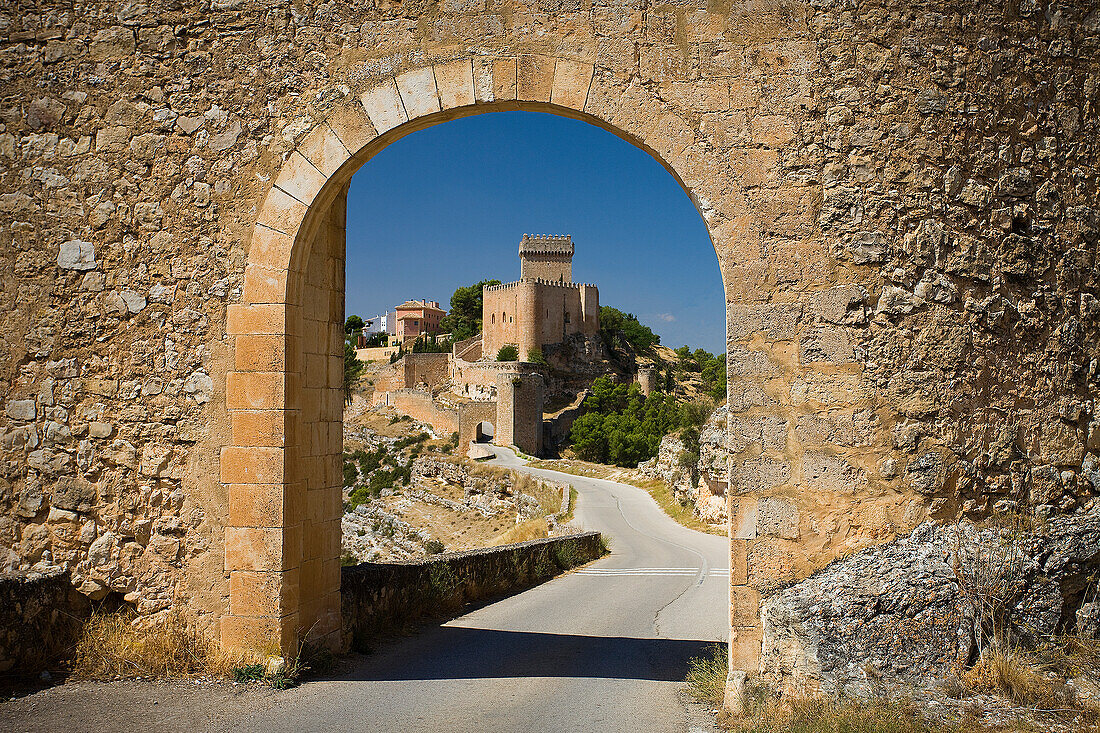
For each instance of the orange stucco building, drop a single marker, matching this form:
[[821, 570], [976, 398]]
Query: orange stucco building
[[417, 318]]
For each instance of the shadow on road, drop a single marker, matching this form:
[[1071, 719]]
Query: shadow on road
[[450, 652]]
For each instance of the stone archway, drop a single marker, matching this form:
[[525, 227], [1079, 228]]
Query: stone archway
[[483, 432], [282, 471], [284, 396]]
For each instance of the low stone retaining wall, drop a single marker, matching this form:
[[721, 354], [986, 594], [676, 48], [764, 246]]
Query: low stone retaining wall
[[40, 619], [379, 597]]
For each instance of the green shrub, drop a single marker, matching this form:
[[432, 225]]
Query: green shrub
[[508, 352], [623, 427]]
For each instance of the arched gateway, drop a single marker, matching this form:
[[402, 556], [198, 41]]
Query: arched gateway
[[284, 395], [899, 198]]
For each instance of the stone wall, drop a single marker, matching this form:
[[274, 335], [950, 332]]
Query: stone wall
[[901, 195], [519, 412], [533, 314], [430, 370], [379, 597], [41, 616], [420, 406]]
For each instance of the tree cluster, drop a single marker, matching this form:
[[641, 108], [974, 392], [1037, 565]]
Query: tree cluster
[[711, 368], [624, 427], [617, 327], [464, 319]]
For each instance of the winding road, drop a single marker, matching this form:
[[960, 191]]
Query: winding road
[[604, 648]]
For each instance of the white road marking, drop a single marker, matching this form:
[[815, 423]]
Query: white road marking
[[648, 571]]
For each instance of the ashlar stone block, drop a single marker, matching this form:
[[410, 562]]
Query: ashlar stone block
[[352, 126], [252, 465], [323, 148], [262, 548], [418, 92], [571, 82], [384, 107], [263, 593], [282, 212], [270, 248], [483, 79], [505, 75], [455, 82], [259, 633], [300, 178], [535, 77], [264, 285]]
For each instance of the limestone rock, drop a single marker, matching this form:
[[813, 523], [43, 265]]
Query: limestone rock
[[24, 410], [76, 255], [893, 616]]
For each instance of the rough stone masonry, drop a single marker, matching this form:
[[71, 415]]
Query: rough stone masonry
[[902, 195]]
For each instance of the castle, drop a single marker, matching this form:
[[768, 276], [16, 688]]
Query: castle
[[544, 306]]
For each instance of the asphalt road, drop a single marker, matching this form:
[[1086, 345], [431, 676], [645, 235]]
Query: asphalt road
[[604, 648]]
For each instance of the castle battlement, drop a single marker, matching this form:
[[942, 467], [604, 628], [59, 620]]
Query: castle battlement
[[538, 280], [547, 244]]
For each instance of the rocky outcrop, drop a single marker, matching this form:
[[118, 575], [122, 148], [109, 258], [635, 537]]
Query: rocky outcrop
[[901, 615], [702, 481], [370, 533], [40, 619], [374, 531]]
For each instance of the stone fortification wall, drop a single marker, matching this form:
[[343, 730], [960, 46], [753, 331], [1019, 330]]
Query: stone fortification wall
[[430, 370], [379, 597], [519, 411], [420, 406], [532, 313], [469, 415], [901, 195], [478, 380], [411, 371]]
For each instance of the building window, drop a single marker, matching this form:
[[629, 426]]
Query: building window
[[567, 316]]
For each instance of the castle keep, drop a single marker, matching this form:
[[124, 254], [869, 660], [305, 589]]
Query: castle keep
[[544, 306]]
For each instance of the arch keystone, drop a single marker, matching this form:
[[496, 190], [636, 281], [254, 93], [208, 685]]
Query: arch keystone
[[455, 82], [504, 73], [384, 107], [535, 77], [418, 92]]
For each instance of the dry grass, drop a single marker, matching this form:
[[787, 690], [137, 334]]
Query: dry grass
[[113, 646], [1070, 655], [656, 488], [532, 529], [547, 494], [706, 677], [1016, 677], [767, 714]]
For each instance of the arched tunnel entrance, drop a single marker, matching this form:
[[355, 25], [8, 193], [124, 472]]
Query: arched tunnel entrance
[[483, 432]]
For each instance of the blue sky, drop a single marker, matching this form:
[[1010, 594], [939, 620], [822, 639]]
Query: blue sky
[[447, 206]]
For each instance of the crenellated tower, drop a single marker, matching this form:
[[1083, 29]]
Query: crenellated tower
[[546, 257]]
